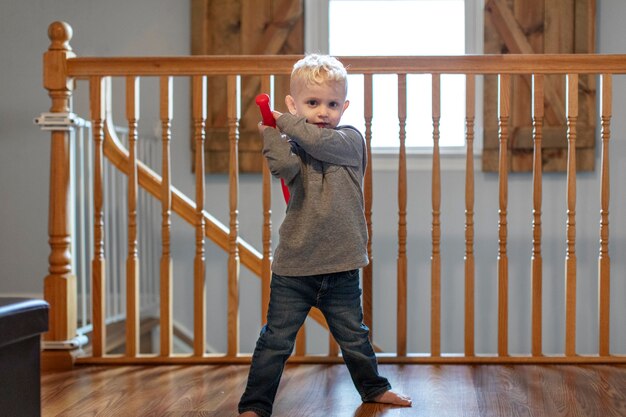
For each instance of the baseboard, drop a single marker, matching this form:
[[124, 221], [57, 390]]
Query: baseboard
[[58, 360]]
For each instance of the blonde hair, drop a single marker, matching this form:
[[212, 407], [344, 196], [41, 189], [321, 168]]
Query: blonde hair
[[316, 69]]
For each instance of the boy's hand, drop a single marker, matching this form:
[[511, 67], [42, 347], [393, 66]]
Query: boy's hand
[[262, 127]]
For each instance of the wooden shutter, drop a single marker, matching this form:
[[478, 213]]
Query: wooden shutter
[[540, 26], [242, 27]]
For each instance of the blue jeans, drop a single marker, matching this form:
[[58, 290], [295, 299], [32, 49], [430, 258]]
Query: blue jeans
[[338, 296]]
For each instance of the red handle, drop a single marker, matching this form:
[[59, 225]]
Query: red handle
[[263, 101]]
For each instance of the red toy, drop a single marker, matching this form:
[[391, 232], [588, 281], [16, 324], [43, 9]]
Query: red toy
[[263, 101]]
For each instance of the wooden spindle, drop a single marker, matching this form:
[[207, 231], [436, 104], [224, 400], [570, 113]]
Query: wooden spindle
[[166, 271], [233, 112], [604, 261], [301, 342], [401, 347], [470, 114], [266, 265], [570, 259], [132, 261], [98, 284], [435, 259], [536, 259], [368, 192], [199, 112], [504, 88], [60, 283]]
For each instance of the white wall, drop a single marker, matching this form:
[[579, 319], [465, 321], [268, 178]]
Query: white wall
[[161, 27]]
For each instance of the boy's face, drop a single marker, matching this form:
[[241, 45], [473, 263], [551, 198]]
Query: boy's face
[[321, 105]]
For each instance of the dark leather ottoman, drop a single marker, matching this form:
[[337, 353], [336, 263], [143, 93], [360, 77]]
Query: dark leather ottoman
[[22, 321]]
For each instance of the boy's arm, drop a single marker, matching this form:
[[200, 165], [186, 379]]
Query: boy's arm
[[279, 152], [336, 146]]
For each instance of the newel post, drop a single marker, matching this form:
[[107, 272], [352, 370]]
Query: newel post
[[60, 284]]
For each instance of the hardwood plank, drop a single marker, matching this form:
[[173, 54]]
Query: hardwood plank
[[327, 390], [65, 390]]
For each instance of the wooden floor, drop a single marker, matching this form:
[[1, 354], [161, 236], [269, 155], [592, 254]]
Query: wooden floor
[[327, 391]]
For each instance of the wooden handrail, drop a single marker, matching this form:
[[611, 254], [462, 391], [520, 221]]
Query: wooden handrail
[[282, 64]]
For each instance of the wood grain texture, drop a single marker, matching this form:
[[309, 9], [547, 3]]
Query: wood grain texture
[[536, 257], [470, 111], [401, 318], [326, 390], [604, 260], [81, 67], [60, 284], [504, 88], [165, 195], [98, 283], [198, 107], [132, 261], [541, 27], [435, 257], [570, 257], [234, 113], [262, 27]]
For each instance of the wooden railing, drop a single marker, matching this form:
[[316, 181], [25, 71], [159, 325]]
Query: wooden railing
[[61, 67]]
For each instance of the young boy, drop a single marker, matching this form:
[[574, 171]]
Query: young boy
[[323, 239]]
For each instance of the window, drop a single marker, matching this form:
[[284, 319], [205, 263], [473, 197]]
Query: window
[[399, 27]]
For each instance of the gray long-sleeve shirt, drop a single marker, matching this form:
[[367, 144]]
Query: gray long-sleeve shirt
[[324, 230]]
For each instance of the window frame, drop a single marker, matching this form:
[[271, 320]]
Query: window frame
[[316, 31]]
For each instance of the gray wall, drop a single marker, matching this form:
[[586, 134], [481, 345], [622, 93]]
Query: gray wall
[[161, 27]]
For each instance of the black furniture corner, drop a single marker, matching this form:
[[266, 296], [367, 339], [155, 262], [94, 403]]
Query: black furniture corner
[[22, 321]]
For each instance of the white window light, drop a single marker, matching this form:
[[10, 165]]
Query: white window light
[[410, 27]]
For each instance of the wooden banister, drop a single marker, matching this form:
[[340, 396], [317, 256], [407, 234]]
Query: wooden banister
[[233, 115], [282, 64], [60, 284], [181, 204], [570, 257], [470, 99], [536, 258], [604, 261], [165, 195], [504, 87], [61, 66], [435, 257], [215, 231], [199, 110], [132, 262], [96, 87], [401, 343]]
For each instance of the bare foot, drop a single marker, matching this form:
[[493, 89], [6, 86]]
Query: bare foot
[[390, 397], [249, 414]]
